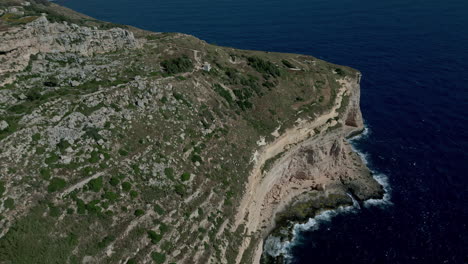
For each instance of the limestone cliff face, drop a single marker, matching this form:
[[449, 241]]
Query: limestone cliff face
[[315, 169], [41, 36]]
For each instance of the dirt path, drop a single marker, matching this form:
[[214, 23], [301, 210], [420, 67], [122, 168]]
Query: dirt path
[[80, 184], [260, 185]]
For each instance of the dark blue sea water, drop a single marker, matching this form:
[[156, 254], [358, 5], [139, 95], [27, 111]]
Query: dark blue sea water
[[414, 58]]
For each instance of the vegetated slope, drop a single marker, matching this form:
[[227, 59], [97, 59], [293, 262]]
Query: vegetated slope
[[119, 145]]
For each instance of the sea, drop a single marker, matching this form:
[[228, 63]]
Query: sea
[[413, 55]]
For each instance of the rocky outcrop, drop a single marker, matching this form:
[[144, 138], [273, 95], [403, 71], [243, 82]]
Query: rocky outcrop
[[42, 36], [317, 160]]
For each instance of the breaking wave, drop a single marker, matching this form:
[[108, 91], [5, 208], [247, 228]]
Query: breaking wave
[[381, 178], [275, 246]]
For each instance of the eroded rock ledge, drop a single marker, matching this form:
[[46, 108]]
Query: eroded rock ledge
[[314, 169]]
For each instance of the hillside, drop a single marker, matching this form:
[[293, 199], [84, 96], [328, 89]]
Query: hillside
[[119, 145]]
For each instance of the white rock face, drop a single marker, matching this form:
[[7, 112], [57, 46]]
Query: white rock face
[[41, 36]]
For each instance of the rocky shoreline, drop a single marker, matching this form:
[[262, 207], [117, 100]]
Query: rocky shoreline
[[317, 172], [305, 214]]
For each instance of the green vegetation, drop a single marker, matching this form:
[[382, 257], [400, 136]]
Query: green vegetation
[[123, 152], [177, 65], [95, 185], [196, 158], [185, 176], [158, 209], [106, 241], [9, 203], [169, 172], [139, 212], [126, 186], [32, 234], [287, 64], [133, 194], [180, 189], [52, 158], [154, 237], [56, 184], [36, 137], [13, 19], [223, 93], [111, 196], [2, 188], [264, 66], [114, 181], [159, 258], [45, 173], [340, 72]]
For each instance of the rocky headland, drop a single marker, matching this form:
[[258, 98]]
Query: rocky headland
[[119, 145]]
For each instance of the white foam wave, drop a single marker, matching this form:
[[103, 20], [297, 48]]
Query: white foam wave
[[364, 134], [274, 246], [381, 178]]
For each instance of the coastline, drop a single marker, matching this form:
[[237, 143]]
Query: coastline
[[315, 173], [278, 251]]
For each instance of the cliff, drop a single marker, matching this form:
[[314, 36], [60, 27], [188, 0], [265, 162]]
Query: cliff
[[119, 145]]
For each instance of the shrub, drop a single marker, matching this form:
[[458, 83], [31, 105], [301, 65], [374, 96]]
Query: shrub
[[63, 144], [126, 186], [196, 158], [177, 65], [111, 196], [95, 184], [179, 189], [158, 209], [36, 137], [80, 206], [155, 237], [94, 157], [268, 84], [139, 212], [133, 194], [93, 133], [52, 158], [93, 207], [263, 66], [287, 64], [56, 184], [114, 181], [223, 93], [40, 150], [340, 72], [185, 176], [45, 173], [159, 258], [123, 152], [169, 172], [54, 211], [163, 228], [2, 188], [9, 203], [106, 241]]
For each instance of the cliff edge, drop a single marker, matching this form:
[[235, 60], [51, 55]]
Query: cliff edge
[[119, 145]]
